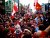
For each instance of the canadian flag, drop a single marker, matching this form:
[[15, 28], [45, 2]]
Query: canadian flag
[[37, 5], [15, 8]]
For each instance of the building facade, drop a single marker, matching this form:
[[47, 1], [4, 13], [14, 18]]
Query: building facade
[[8, 6]]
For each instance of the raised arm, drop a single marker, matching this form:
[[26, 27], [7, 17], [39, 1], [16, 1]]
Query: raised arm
[[47, 29]]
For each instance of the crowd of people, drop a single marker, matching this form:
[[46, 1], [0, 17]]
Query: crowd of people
[[25, 25]]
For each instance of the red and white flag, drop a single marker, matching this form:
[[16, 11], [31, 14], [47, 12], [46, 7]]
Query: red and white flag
[[15, 8]]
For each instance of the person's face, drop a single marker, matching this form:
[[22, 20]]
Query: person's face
[[22, 23], [28, 22], [31, 21], [34, 21], [41, 15], [25, 23], [1, 26], [8, 23]]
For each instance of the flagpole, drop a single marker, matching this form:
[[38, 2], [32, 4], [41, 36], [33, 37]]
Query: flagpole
[[18, 6]]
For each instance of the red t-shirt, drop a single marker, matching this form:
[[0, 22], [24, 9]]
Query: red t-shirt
[[42, 35], [12, 29], [12, 17]]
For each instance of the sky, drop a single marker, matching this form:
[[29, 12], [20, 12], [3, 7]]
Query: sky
[[31, 2]]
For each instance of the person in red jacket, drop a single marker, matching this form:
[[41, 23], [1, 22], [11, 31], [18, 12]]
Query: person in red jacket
[[41, 34]]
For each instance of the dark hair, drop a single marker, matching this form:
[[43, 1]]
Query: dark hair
[[42, 27]]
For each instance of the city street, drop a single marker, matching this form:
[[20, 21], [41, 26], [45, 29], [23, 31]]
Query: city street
[[25, 19]]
